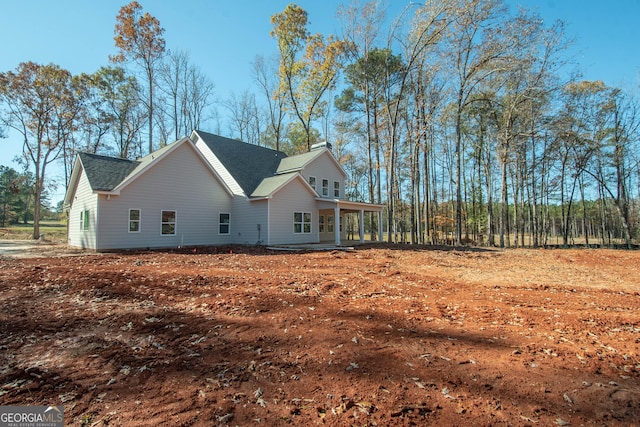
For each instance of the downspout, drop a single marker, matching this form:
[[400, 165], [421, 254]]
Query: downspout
[[96, 223], [336, 231], [268, 231]]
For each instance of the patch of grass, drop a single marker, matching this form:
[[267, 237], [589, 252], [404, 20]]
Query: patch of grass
[[54, 231]]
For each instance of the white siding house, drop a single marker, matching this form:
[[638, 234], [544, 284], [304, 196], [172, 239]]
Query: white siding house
[[83, 214], [292, 212], [168, 199], [208, 190]]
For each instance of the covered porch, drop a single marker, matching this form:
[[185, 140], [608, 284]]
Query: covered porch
[[332, 224]]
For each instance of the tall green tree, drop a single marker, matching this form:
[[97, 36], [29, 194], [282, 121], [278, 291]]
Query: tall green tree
[[95, 120], [138, 38], [362, 27], [427, 29], [476, 54], [10, 185], [580, 129], [616, 128], [309, 64], [40, 105], [527, 75], [119, 95], [366, 80], [622, 145]]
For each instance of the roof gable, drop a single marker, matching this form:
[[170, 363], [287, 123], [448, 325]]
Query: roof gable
[[248, 164], [107, 174], [112, 174], [300, 161], [269, 186], [145, 162]]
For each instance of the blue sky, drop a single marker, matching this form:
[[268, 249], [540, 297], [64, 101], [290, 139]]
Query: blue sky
[[223, 36]]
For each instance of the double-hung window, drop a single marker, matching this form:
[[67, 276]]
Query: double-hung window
[[325, 187], [325, 224], [224, 223], [84, 220], [134, 220], [168, 223], [336, 189], [312, 183], [301, 222]]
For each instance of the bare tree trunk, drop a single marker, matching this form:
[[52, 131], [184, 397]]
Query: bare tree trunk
[[504, 206], [458, 169]]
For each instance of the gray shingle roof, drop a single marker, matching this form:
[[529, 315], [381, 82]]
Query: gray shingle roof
[[249, 164], [271, 184], [297, 162], [258, 170], [105, 173]]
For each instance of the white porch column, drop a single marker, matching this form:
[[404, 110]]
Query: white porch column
[[336, 225], [361, 219], [380, 233]]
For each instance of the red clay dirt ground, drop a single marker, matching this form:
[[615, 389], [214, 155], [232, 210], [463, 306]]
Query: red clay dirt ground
[[379, 336]]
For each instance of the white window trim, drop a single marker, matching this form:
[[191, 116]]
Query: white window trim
[[139, 220], [302, 224], [228, 224], [336, 189], [315, 183], [175, 222], [84, 220], [325, 190]]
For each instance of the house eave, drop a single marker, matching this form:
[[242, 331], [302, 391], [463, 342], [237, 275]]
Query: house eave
[[107, 193]]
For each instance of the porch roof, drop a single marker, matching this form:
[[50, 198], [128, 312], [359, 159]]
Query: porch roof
[[348, 205]]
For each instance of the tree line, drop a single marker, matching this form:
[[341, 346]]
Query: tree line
[[474, 135], [458, 115], [17, 198]]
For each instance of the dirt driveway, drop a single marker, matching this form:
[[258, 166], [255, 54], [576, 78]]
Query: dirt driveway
[[34, 249], [386, 336], [15, 248]]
